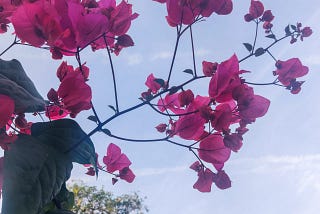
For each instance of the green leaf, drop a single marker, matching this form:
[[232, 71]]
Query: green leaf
[[160, 81], [287, 30], [106, 131], [248, 46], [173, 90], [259, 52], [113, 108], [66, 136], [34, 173], [93, 118], [293, 27], [188, 71], [271, 36], [17, 85]]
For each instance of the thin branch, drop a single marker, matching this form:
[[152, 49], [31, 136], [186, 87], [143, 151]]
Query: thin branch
[[269, 83], [255, 37], [271, 55], [82, 72], [137, 140], [10, 46], [171, 115], [113, 76], [174, 56], [193, 55]]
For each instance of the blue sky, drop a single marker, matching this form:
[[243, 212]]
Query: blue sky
[[278, 168]]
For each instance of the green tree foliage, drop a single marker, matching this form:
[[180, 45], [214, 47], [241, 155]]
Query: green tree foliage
[[91, 200]]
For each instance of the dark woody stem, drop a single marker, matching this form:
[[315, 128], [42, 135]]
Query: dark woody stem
[[174, 55], [113, 75], [10, 46], [265, 49], [193, 54], [81, 70], [255, 36]]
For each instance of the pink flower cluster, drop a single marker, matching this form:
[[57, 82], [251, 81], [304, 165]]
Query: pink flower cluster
[[114, 161], [73, 94], [67, 25], [187, 11], [288, 71], [231, 105], [256, 10]]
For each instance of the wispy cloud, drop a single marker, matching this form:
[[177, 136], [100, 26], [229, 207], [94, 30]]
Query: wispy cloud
[[161, 55], [134, 59]]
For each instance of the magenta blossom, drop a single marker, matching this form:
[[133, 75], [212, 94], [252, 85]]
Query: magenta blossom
[[290, 70], [115, 160]]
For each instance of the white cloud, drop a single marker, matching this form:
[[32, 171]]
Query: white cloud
[[134, 59], [161, 55]]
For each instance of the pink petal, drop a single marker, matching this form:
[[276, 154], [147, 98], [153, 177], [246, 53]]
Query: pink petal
[[127, 174], [190, 127], [6, 109], [213, 150], [222, 180], [204, 182]]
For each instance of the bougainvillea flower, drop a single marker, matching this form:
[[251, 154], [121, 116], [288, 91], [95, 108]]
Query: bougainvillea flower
[[267, 16], [152, 84], [63, 69], [171, 102], [56, 112], [185, 97], [221, 7], [37, 23], [306, 32], [6, 109], [190, 127], [256, 10], [52, 96], [121, 17], [127, 174], [213, 150], [196, 166], [295, 86], [209, 68], [289, 70], [20, 121], [222, 180], [5, 13], [181, 12], [233, 141], [89, 27], [185, 12], [91, 171], [115, 160], [161, 127], [204, 182], [199, 101], [222, 117], [250, 106], [225, 80], [75, 93]]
